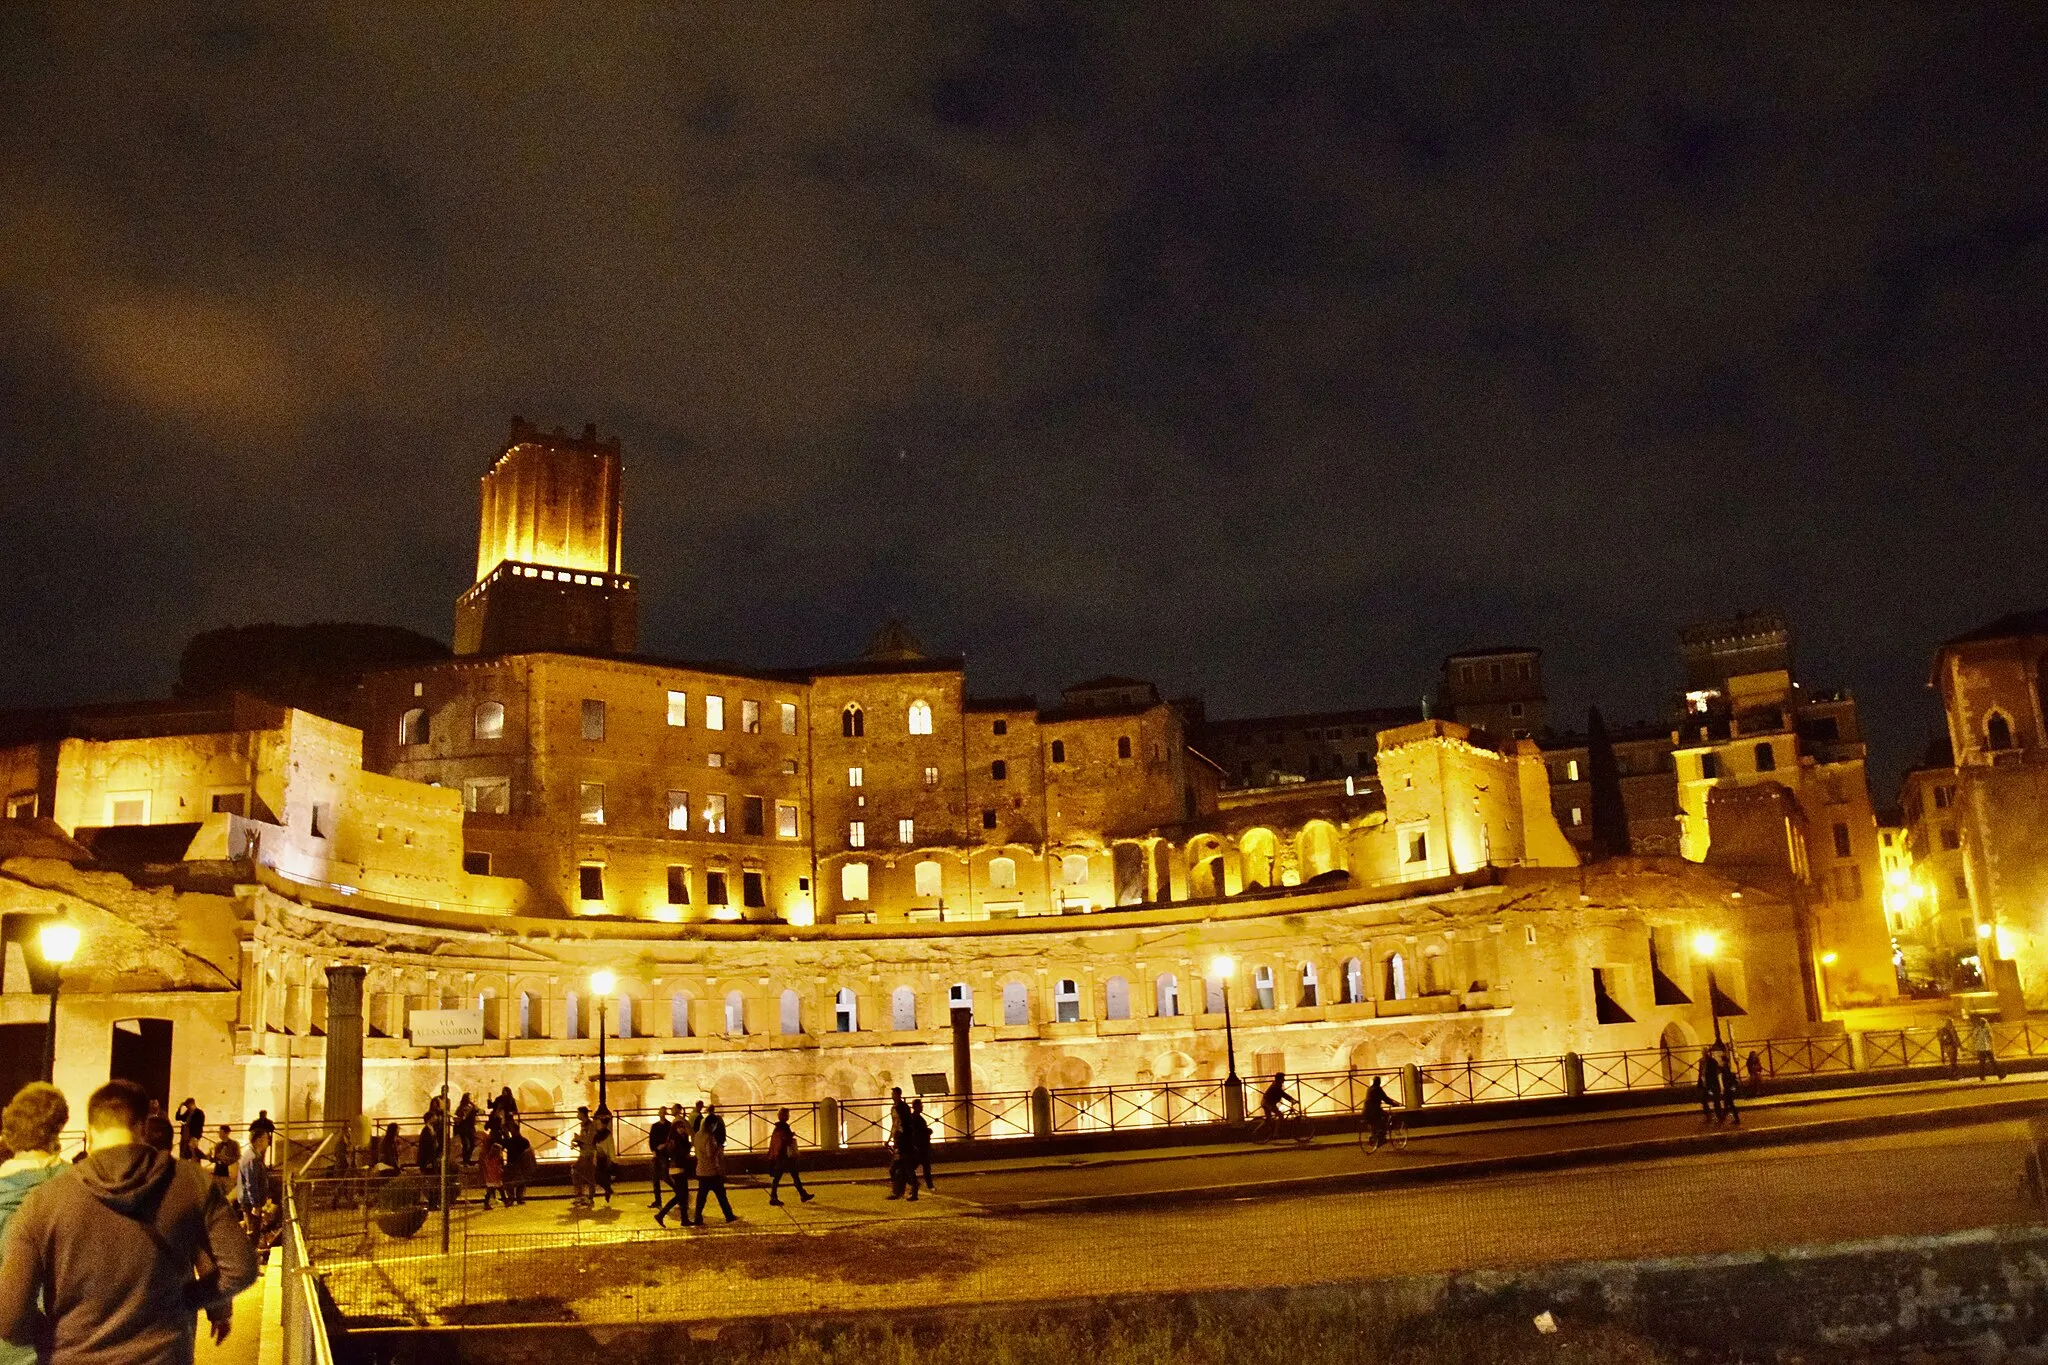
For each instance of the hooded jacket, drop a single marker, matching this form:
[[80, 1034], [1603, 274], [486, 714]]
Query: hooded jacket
[[128, 1246]]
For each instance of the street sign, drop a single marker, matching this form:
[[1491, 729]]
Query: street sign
[[447, 1028]]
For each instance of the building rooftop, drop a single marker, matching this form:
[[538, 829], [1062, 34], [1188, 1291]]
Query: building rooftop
[[2013, 626]]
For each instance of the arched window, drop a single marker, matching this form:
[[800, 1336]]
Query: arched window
[[845, 1011], [1997, 732], [903, 1009], [490, 720], [1766, 758], [792, 1015], [852, 723], [1066, 1002], [527, 1022], [1352, 991], [920, 717], [1394, 981], [927, 874], [735, 1015], [1016, 1003], [1262, 988], [679, 1014], [1002, 873], [1309, 998], [853, 881], [1167, 996], [1116, 998], [412, 727], [1059, 751], [1074, 869]]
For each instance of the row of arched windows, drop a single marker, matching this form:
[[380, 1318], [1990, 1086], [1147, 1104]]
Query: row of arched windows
[[853, 721]]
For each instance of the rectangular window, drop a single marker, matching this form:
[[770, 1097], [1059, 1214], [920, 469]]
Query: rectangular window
[[487, 795], [1002, 727], [228, 803], [750, 717], [714, 889], [931, 778], [1123, 746], [593, 718], [714, 813], [714, 713], [752, 815], [1951, 838], [1578, 816], [1841, 840], [1710, 766], [590, 802], [988, 819], [323, 820], [998, 771], [678, 810], [1571, 770], [1418, 846], [128, 808], [679, 886], [906, 831], [1849, 882], [853, 882], [714, 759], [477, 864], [853, 777], [1962, 886], [1942, 797], [856, 834], [788, 717], [785, 820], [753, 889], [679, 708], [590, 882], [21, 807]]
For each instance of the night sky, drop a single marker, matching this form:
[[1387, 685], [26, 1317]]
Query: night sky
[[1270, 351]]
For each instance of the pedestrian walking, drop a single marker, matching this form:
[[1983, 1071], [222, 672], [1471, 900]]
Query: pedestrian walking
[[1726, 1106], [1981, 1044], [227, 1155], [1951, 1047], [607, 1153], [921, 1141], [583, 1168], [30, 1130], [108, 1261], [494, 1170], [465, 1127], [1710, 1086], [782, 1147], [658, 1135], [709, 1146], [522, 1166], [902, 1148], [681, 1165], [252, 1179]]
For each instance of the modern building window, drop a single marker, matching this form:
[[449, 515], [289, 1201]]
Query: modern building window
[[590, 882], [590, 802], [926, 874], [1123, 746], [1066, 1002], [1841, 840], [678, 810], [753, 890], [1943, 796], [852, 723], [788, 709], [845, 1011], [998, 771], [678, 885], [714, 813], [1766, 758], [931, 778], [785, 820], [906, 831], [854, 777], [988, 818], [412, 726], [789, 767], [679, 708], [593, 718], [1059, 751], [714, 713], [750, 717], [856, 834], [753, 815], [920, 717], [853, 882], [487, 795], [714, 889], [1002, 727], [489, 722], [1002, 873]]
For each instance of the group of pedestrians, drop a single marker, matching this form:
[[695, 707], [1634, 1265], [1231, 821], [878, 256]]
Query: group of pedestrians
[[910, 1146], [1719, 1084], [1981, 1044], [114, 1256]]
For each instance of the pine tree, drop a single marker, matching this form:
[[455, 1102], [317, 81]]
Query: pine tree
[[1610, 814]]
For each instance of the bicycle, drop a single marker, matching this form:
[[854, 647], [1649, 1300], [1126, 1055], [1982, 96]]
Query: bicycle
[[1396, 1135], [1290, 1122]]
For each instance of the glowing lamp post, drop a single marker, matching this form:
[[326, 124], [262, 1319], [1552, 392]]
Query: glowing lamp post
[[602, 983], [1222, 967], [58, 942], [1706, 943]]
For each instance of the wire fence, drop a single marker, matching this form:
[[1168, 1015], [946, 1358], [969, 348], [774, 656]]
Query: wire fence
[[820, 1261]]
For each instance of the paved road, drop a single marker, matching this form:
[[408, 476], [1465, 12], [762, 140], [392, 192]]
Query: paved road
[[850, 1251]]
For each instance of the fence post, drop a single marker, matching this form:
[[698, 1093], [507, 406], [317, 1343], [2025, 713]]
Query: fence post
[[828, 1124], [1859, 1051], [1574, 1074], [1041, 1112], [1411, 1086]]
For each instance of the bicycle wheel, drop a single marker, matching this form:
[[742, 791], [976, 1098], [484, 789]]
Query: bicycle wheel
[[1301, 1134], [1397, 1133]]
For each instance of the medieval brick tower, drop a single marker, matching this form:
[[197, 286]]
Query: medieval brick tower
[[547, 561]]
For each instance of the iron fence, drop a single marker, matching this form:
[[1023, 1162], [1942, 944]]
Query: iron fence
[[1650, 1068], [1803, 1056], [1119, 1108], [1483, 1082]]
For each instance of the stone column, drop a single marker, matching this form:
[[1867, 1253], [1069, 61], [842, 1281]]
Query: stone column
[[342, 1103]]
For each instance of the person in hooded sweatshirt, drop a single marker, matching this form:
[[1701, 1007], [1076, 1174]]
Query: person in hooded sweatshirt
[[111, 1262], [29, 1130]]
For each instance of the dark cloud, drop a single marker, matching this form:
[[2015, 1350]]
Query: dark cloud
[[1272, 350]]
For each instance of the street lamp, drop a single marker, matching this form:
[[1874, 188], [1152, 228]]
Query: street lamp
[[1705, 944], [1222, 967], [58, 941], [601, 985]]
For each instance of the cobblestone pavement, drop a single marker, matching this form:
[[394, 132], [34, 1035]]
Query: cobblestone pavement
[[845, 1257]]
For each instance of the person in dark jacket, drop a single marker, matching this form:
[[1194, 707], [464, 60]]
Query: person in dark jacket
[[261, 1126], [111, 1262], [30, 1130], [782, 1160], [921, 1132], [383, 1152], [191, 1130], [1710, 1085], [657, 1151], [710, 1149], [465, 1127], [902, 1147]]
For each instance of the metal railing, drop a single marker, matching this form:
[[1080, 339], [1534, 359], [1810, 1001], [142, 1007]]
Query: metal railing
[[1119, 1108], [305, 1327], [1483, 1082]]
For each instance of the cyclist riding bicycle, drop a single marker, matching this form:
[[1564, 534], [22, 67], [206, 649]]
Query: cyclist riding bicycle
[[1376, 1117], [1276, 1100]]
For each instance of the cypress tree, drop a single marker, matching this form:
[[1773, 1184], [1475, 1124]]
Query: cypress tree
[[1610, 814]]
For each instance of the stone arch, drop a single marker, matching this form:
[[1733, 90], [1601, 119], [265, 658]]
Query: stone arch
[[1166, 996], [1259, 851], [1317, 845], [1162, 872], [1128, 864], [1351, 982], [733, 1089], [1208, 876], [1173, 1066], [853, 722], [1997, 731], [1069, 1073], [1394, 976]]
